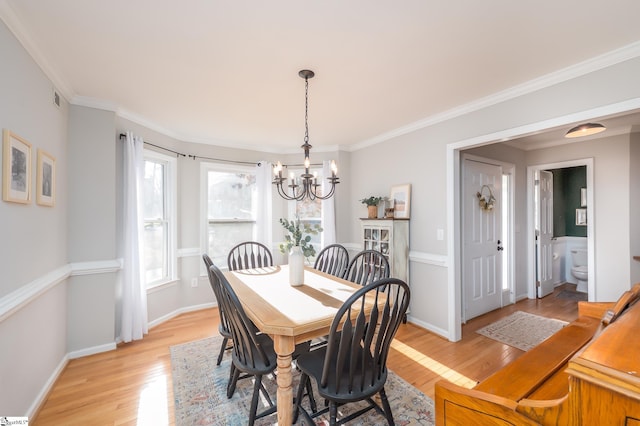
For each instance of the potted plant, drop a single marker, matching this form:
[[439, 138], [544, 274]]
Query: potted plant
[[298, 245], [372, 206]]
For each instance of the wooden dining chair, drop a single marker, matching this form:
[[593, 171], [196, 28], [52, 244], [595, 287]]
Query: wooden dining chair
[[333, 259], [368, 266], [253, 353], [249, 254], [353, 365]]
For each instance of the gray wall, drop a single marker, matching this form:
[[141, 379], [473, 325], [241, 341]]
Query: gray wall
[[33, 248]]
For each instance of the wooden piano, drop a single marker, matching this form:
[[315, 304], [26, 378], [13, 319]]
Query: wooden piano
[[588, 373]]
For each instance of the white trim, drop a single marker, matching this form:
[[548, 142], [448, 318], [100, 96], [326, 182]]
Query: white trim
[[24, 295], [92, 350], [429, 258], [44, 392], [189, 252], [180, 311], [430, 327], [352, 246], [95, 267]]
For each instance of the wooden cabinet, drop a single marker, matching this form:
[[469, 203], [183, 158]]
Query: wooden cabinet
[[391, 238]]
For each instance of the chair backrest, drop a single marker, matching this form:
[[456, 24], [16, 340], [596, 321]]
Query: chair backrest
[[358, 344], [224, 322], [247, 351], [247, 255], [333, 259], [368, 266]]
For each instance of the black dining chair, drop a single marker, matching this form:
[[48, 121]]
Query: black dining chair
[[368, 266], [223, 327], [249, 254], [333, 259], [353, 365], [253, 353]]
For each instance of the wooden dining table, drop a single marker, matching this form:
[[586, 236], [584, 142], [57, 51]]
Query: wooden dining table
[[290, 315]]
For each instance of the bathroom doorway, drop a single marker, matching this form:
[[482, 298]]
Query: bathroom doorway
[[559, 222]]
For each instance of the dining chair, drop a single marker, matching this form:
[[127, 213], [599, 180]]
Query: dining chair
[[353, 365], [333, 259], [249, 254], [223, 327], [253, 353], [367, 266]]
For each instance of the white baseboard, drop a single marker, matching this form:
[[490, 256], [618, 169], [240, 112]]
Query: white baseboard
[[177, 312], [42, 396], [92, 350], [429, 327]]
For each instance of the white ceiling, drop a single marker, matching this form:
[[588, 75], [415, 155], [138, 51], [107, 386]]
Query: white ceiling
[[226, 72]]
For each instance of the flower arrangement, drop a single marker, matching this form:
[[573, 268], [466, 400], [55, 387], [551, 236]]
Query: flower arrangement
[[299, 236], [372, 201]]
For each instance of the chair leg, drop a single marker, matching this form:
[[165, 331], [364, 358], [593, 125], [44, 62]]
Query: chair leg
[[387, 408], [234, 374], [222, 349], [254, 400], [312, 400], [333, 413], [304, 379]]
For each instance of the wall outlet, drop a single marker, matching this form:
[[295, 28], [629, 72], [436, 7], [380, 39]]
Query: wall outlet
[[440, 234], [194, 282]]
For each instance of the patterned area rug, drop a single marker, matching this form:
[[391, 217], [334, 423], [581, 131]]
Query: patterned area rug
[[199, 388], [522, 330]]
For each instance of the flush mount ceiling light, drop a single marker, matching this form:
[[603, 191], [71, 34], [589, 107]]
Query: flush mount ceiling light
[[306, 186], [585, 130]]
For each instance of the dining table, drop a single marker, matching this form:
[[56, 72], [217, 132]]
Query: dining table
[[289, 314]]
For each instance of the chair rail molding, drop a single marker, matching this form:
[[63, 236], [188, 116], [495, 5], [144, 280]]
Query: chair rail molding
[[24, 295], [189, 252]]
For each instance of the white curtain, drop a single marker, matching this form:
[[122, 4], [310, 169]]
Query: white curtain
[[328, 208], [264, 170], [134, 293]]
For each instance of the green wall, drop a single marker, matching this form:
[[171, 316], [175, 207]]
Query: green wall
[[567, 183]]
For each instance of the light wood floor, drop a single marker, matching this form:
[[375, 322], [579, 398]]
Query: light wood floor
[[114, 388]]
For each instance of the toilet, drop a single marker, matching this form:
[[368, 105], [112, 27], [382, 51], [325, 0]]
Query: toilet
[[580, 268]]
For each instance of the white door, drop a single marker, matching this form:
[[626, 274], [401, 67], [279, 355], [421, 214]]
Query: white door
[[481, 230], [544, 232]]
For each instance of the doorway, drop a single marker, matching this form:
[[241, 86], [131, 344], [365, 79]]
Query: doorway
[[540, 246], [487, 260]]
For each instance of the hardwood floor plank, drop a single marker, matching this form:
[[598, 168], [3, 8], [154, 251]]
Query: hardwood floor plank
[[112, 388]]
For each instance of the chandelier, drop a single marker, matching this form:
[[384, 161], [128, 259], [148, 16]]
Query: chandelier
[[306, 186]]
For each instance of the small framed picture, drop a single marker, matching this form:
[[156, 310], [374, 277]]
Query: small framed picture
[[46, 179], [401, 201], [583, 197], [581, 217], [16, 168]]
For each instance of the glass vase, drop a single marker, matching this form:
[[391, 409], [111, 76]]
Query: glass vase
[[296, 266]]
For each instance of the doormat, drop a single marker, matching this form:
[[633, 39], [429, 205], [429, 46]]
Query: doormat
[[199, 389], [522, 330]]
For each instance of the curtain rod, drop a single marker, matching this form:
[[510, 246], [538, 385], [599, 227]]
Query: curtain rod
[[193, 157]]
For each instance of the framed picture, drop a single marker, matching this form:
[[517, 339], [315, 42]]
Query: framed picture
[[401, 200], [581, 217], [583, 197], [46, 179], [16, 168]]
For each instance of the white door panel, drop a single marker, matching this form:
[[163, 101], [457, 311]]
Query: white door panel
[[481, 255], [544, 228]]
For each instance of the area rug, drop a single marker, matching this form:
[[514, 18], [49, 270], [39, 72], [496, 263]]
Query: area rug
[[522, 329], [199, 388]]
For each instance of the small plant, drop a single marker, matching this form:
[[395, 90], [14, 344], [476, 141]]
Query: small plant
[[299, 236], [372, 201]]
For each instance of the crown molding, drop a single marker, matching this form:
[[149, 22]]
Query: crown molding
[[14, 24], [597, 63]]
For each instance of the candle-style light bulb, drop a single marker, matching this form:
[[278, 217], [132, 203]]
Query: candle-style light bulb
[[307, 163], [334, 168], [315, 178]]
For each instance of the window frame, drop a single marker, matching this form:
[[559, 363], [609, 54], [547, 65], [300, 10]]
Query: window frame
[[292, 204], [205, 168], [170, 209]]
